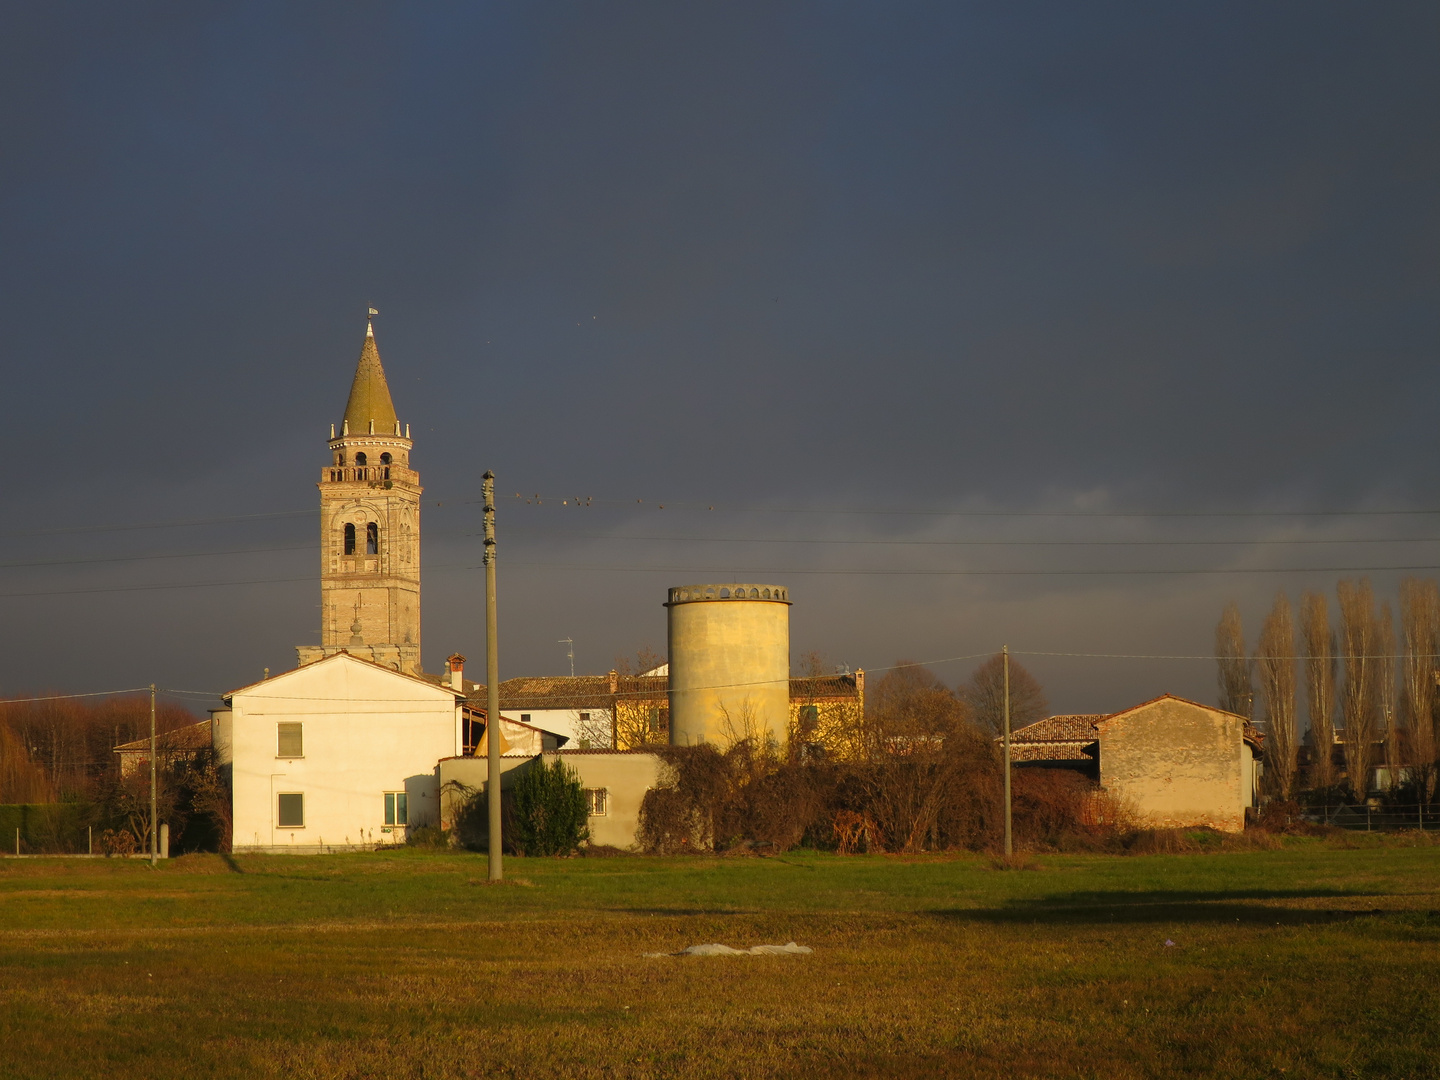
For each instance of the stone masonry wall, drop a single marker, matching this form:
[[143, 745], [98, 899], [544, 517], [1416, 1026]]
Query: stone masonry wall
[[1177, 763]]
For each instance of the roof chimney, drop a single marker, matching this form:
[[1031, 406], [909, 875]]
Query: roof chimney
[[457, 672]]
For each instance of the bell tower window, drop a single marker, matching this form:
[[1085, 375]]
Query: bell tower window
[[372, 539], [361, 459], [349, 538]]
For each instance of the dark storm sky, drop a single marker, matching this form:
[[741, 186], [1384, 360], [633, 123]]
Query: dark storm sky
[[838, 271]]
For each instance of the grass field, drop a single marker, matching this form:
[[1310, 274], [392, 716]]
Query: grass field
[[1312, 960]]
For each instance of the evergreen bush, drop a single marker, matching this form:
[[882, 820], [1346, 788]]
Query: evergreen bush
[[549, 812]]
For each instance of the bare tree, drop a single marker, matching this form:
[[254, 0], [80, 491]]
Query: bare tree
[[1360, 694], [985, 694], [21, 779], [1386, 694], [646, 659], [913, 724], [1237, 691], [1275, 663], [1320, 666], [1420, 628]]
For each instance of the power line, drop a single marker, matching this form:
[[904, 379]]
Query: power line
[[146, 558], [188, 523], [731, 572], [62, 697], [859, 572], [155, 588], [994, 543], [666, 504]]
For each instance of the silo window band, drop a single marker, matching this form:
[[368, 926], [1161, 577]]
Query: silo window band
[[290, 810], [290, 740]]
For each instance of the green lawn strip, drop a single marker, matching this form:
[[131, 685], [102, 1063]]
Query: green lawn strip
[[1312, 960]]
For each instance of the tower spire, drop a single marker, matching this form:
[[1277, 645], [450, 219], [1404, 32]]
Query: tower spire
[[369, 407]]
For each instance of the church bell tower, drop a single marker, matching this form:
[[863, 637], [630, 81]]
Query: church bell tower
[[369, 530]]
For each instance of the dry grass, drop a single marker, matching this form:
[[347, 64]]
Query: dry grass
[[1304, 961]]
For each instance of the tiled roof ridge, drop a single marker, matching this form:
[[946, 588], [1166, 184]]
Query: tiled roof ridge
[[1062, 727], [185, 737]]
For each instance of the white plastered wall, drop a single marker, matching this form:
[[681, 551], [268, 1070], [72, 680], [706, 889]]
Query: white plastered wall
[[367, 731], [567, 722]]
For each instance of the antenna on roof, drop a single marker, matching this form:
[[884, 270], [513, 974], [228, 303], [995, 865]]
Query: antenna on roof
[[571, 643]]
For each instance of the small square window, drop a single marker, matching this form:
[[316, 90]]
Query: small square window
[[290, 813], [596, 801], [524, 717], [291, 742], [397, 810]]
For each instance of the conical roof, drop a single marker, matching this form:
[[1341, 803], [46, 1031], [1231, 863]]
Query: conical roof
[[369, 393]]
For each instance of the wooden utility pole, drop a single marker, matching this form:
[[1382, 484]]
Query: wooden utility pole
[[1005, 652], [492, 682], [154, 832]]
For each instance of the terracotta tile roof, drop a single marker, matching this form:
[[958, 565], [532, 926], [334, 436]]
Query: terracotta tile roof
[[1170, 697], [180, 740], [1069, 727], [553, 692], [823, 686], [1069, 737], [428, 680], [1055, 751]]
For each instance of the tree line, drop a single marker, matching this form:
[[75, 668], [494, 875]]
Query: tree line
[[60, 754], [1369, 690], [922, 773]]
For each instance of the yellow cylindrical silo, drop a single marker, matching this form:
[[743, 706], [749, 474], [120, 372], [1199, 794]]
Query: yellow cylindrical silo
[[729, 651]]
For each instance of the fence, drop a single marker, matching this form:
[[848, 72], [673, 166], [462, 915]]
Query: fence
[[1387, 817], [59, 829]]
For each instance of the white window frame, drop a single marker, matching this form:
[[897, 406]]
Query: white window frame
[[392, 811], [597, 802], [282, 794]]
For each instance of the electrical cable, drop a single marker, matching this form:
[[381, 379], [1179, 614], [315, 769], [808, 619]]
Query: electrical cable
[[62, 697], [585, 502], [146, 558], [990, 543], [156, 524], [857, 572], [153, 588]]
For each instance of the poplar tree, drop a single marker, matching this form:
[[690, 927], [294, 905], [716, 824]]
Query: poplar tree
[[1237, 691], [1420, 631], [1320, 664], [1359, 697], [1275, 664]]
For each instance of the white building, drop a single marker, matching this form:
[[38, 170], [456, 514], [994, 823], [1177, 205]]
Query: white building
[[344, 750], [338, 753]]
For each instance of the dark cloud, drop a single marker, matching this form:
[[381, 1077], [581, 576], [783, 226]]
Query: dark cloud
[[784, 258]]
